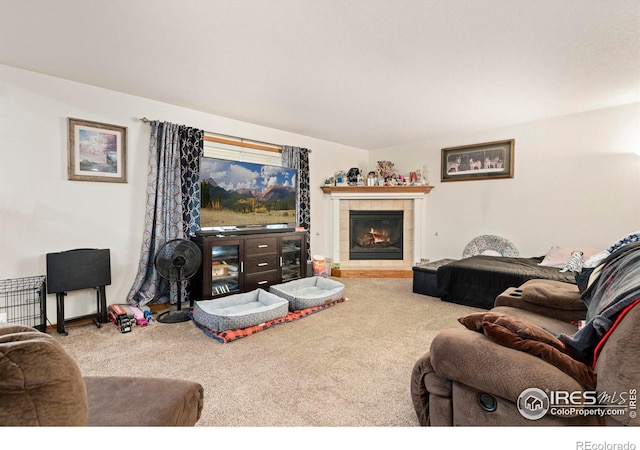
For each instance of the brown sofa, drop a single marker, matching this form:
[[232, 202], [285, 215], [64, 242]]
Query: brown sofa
[[41, 385], [472, 376]]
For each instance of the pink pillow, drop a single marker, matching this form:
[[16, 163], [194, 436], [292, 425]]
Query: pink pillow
[[558, 256]]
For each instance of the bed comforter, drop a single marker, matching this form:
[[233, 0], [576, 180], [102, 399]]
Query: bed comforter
[[478, 280]]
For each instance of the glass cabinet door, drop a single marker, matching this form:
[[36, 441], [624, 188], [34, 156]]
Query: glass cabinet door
[[291, 259], [225, 268]]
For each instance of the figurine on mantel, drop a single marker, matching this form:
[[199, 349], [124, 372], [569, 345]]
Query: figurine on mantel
[[423, 177], [354, 177], [384, 175]]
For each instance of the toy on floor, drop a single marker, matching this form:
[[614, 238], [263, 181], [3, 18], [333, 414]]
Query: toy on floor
[[118, 315], [147, 312], [139, 317]]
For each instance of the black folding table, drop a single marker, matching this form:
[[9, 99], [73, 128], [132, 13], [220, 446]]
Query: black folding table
[[77, 269]]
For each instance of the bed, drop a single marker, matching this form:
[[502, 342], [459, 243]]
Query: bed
[[478, 280]]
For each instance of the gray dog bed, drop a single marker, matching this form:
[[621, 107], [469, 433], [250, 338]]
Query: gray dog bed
[[309, 292], [240, 310]]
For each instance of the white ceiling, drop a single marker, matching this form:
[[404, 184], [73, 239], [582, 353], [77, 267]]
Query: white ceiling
[[365, 73]]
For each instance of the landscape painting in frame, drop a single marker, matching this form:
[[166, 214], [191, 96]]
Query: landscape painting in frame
[[97, 151], [478, 161]]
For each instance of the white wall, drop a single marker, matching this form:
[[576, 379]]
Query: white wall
[[42, 212], [577, 183]]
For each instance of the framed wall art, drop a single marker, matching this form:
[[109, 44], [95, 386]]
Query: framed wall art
[[97, 151], [478, 161]]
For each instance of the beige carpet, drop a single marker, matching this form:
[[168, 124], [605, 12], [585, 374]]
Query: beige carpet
[[349, 365]]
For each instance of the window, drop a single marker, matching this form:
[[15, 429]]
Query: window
[[241, 150]]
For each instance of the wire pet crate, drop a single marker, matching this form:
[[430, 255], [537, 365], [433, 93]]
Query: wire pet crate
[[24, 301]]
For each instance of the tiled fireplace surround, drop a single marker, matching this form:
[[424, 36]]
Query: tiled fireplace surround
[[407, 199]]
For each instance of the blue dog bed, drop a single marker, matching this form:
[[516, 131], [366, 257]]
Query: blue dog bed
[[308, 292], [240, 310]]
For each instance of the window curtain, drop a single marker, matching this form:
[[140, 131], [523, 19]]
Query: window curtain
[[172, 209], [191, 149], [298, 158]]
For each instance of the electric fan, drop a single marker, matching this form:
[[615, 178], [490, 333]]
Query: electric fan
[[176, 261]]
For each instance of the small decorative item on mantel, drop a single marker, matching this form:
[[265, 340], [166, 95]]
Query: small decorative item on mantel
[[385, 170], [353, 175], [340, 178], [425, 175], [371, 179], [422, 176]]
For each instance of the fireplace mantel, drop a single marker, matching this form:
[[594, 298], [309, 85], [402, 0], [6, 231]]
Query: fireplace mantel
[[389, 195], [376, 191]]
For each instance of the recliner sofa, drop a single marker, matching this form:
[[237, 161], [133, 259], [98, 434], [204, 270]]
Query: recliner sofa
[[472, 377]]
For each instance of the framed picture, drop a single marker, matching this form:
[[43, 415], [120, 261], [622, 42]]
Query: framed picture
[[97, 151], [478, 161]]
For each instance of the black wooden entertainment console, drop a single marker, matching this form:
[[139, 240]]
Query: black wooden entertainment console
[[236, 261]]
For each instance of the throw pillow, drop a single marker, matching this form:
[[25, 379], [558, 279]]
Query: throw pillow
[[524, 329], [575, 369], [558, 256], [473, 321], [522, 335]]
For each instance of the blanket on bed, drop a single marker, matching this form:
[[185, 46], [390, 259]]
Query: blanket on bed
[[616, 288], [478, 280]]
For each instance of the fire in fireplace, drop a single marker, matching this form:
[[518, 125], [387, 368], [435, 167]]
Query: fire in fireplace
[[375, 235]]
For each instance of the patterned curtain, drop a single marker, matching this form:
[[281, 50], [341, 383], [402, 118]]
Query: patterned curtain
[[191, 148], [174, 159], [298, 158]]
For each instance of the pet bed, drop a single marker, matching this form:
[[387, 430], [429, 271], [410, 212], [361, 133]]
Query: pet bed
[[238, 333], [240, 310], [308, 292]]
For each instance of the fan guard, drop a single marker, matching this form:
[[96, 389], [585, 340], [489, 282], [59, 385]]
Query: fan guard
[[176, 261]]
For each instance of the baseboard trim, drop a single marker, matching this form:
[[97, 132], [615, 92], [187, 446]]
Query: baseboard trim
[[354, 273]]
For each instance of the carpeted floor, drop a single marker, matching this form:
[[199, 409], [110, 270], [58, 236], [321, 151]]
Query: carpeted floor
[[346, 366]]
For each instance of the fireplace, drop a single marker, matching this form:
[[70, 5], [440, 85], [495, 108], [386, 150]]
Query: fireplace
[[375, 235]]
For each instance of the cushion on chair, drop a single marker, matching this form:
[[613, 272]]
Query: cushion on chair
[[40, 384], [239, 310], [158, 402], [309, 292]]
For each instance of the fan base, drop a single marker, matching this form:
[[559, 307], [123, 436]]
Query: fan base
[[173, 317]]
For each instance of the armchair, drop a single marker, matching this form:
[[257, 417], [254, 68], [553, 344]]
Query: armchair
[[41, 385]]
